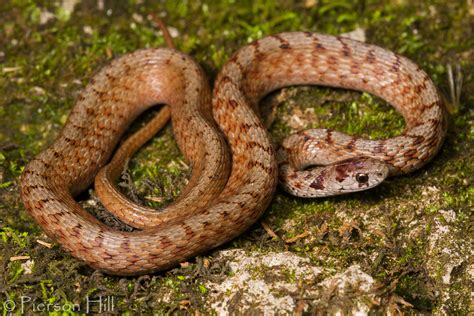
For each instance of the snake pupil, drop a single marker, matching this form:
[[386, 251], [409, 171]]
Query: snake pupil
[[362, 177]]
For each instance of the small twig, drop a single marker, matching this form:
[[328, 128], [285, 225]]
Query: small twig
[[297, 237], [44, 243], [269, 231], [17, 258], [164, 30], [10, 69], [455, 80]]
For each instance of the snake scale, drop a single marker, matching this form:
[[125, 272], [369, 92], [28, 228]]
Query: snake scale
[[229, 189]]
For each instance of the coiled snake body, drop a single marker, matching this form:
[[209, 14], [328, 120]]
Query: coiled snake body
[[228, 191]]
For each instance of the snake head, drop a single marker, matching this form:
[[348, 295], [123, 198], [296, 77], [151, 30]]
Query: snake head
[[356, 174], [346, 176]]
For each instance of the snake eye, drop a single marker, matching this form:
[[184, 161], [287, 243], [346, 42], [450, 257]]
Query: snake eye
[[362, 177]]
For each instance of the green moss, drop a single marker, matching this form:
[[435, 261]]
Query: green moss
[[351, 113]]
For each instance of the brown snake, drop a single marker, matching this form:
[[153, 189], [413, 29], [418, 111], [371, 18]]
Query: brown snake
[[216, 205]]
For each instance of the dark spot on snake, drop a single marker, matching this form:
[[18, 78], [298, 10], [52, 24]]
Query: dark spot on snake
[[241, 204], [107, 112], [332, 60], [320, 47], [245, 127], [284, 43], [371, 56], [255, 43], [233, 59], [346, 50], [99, 239], [329, 139], [253, 144], [188, 230], [318, 183], [27, 171], [419, 88], [108, 255], [226, 79], [233, 104], [355, 70], [125, 244], [431, 105], [35, 173], [241, 68], [418, 68], [396, 65], [351, 143], [293, 176], [410, 153], [416, 123], [34, 186], [341, 171], [297, 185], [60, 214], [79, 127], [253, 163], [165, 241], [254, 194], [434, 121], [379, 148], [110, 77], [418, 139]]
